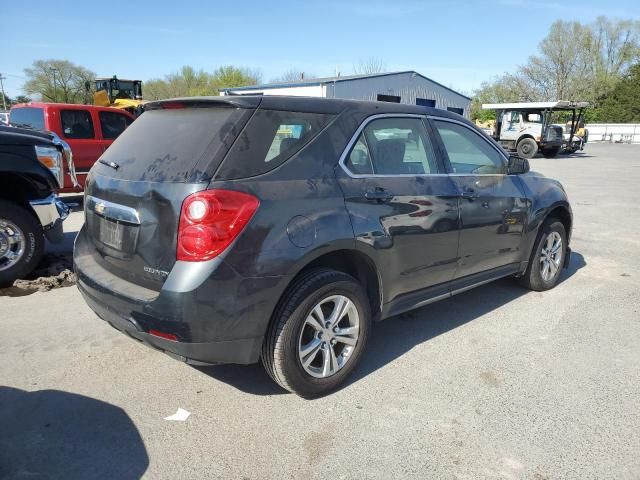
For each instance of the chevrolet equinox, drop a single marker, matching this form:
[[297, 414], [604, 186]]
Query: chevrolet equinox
[[234, 229]]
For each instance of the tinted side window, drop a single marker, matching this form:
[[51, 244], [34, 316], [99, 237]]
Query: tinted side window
[[76, 124], [270, 138], [113, 124], [400, 146], [468, 151], [28, 117]]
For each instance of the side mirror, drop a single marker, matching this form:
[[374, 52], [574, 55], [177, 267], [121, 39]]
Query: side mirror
[[517, 165]]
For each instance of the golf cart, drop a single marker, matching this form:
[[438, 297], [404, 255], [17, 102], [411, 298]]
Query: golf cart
[[529, 127]]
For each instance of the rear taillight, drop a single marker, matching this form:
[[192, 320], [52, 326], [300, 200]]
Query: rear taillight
[[210, 221], [167, 336]]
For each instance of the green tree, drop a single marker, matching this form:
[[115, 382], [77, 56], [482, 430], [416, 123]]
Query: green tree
[[20, 99], [507, 88], [58, 81], [185, 83], [189, 82], [574, 62], [560, 69], [229, 76], [4, 100], [622, 104]]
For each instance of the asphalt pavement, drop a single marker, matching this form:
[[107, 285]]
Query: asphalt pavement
[[498, 382]]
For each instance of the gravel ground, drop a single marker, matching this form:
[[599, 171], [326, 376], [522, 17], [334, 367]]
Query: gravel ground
[[497, 382]]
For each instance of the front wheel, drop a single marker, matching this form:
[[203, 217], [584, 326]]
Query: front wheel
[[547, 259], [318, 334], [527, 148], [21, 243]]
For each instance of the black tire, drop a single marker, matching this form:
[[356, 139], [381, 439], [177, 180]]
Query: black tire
[[527, 148], [281, 347], [552, 152], [34, 242], [533, 278]]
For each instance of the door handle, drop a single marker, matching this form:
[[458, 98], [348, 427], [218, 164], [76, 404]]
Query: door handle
[[468, 192], [378, 195]]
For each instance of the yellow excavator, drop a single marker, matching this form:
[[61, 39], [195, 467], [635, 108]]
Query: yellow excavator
[[118, 93]]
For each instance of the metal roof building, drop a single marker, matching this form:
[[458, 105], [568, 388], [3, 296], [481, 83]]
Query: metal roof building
[[407, 87]]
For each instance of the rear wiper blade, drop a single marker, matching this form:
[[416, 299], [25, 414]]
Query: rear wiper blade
[[113, 165]]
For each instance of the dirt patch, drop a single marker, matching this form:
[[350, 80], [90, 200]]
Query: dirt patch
[[55, 271]]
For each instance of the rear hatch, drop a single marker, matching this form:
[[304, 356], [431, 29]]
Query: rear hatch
[[135, 191]]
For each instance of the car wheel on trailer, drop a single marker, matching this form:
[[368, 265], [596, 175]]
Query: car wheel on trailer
[[318, 334], [527, 148], [21, 243]]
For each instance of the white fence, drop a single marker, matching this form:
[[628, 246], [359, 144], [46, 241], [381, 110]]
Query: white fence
[[614, 132]]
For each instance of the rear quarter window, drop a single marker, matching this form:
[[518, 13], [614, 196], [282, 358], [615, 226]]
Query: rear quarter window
[[270, 138], [27, 117]]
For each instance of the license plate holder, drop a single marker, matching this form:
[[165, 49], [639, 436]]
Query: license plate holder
[[111, 234]]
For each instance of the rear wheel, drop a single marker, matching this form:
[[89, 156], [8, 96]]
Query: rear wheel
[[547, 259], [527, 148], [551, 152], [21, 243], [319, 332]]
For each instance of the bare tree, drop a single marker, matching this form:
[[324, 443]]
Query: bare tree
[[369, 65], [293, 75]]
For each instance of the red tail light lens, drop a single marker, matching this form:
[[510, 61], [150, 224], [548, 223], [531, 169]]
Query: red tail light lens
[[210, 221], [166, 336]]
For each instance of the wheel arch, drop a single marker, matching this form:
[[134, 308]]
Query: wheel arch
[[350, 261], [20, 189], [563, 214], [526, 135]]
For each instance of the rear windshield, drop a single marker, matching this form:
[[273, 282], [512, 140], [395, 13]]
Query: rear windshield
[[270, 138], [27, 117], [174, 145]]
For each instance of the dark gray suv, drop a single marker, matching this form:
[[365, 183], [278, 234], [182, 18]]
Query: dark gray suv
[[234, 229]]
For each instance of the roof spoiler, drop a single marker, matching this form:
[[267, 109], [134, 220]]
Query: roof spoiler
[[559, 105], [204, 102]]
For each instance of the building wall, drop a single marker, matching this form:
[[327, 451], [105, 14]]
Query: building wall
[[614, 132], [407, 86]]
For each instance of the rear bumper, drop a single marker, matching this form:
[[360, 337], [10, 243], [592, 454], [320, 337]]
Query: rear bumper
[[243, 351], [216, 315]]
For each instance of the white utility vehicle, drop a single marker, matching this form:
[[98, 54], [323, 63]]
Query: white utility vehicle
[[528, 127]]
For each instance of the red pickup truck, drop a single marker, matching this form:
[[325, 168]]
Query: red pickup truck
[[89, 130]]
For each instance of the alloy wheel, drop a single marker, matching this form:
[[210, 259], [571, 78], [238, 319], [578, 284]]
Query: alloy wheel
[[551, 256], [329, 336]]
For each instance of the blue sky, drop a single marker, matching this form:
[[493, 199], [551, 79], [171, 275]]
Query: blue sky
[[459, 43]]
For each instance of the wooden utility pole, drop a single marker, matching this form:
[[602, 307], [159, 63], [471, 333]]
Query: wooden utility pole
[[4, 98]]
